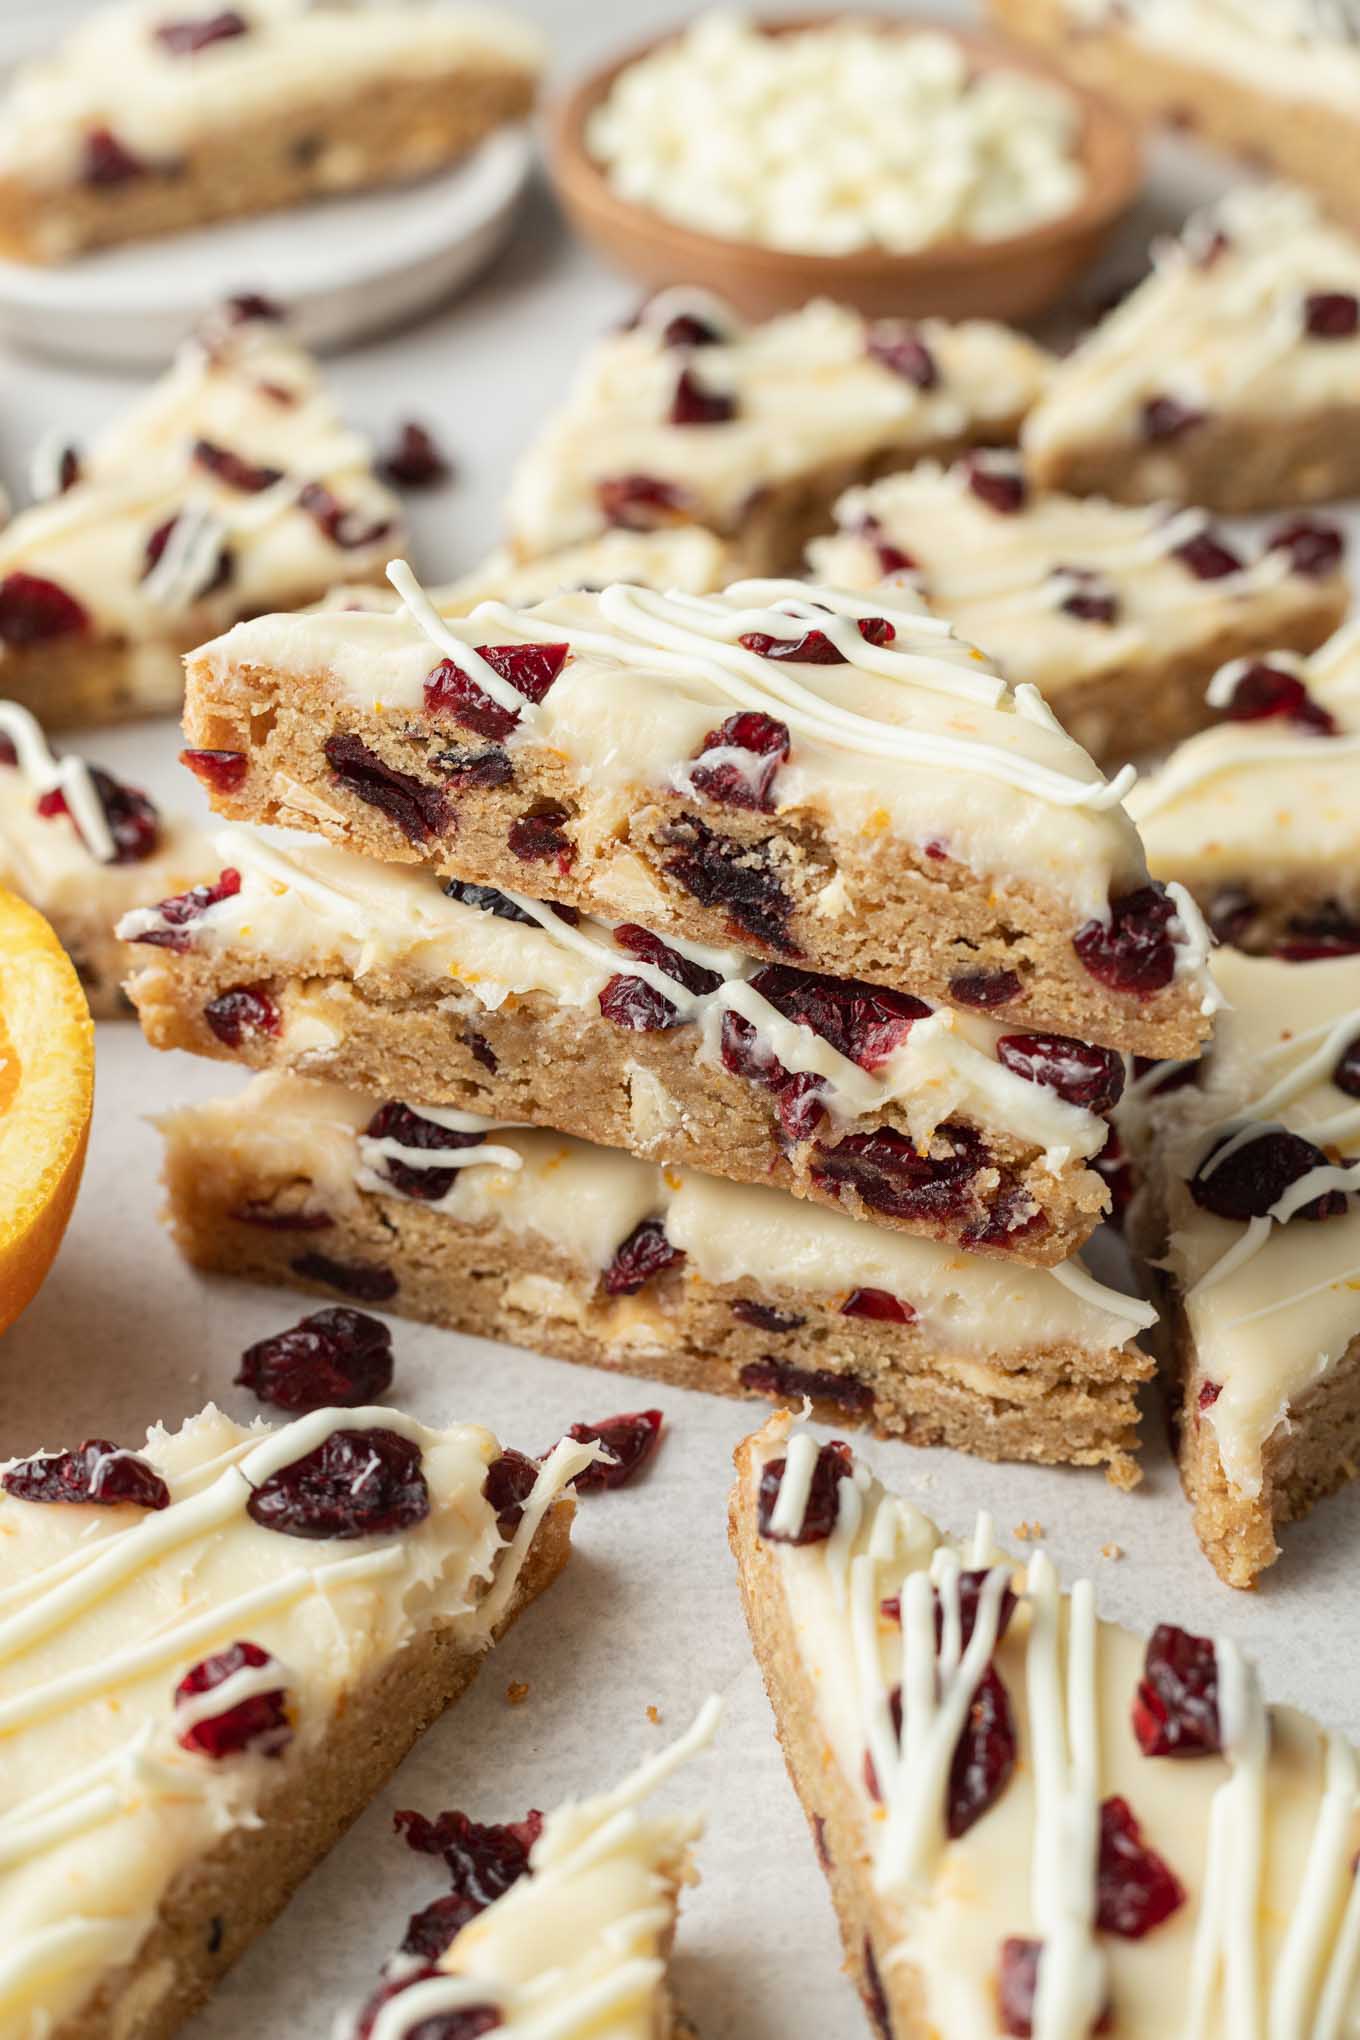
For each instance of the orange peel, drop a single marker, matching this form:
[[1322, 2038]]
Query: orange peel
[[46, 1093]]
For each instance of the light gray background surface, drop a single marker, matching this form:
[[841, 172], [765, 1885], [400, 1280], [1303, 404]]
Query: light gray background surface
[[123, 1334]]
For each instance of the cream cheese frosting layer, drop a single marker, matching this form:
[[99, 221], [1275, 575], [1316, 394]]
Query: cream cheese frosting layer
[[104, 1609], [807, 394], [115, 72], [1271, 1306], [583, 1201], [245, 390], [1015, 580], [309, 909], [1218, 325], [1296, 50], [1261, 1837], [917, 736], [1264, 799]]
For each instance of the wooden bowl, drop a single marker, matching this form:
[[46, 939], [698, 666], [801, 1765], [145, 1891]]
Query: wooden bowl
[[1013, 279]]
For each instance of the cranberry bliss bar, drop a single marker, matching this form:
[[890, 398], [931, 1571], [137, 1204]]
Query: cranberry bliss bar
[[157, 115], [987, 1771], [232, 487], [827, 779], [1248, 1220], [215, 1651], [692, 417], [1230, 377], [1119, 616], [595, 1256]]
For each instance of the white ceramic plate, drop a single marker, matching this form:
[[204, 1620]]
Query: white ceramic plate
[[345, 267]]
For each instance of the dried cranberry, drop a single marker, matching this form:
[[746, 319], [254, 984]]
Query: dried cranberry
[[764, 1317], [1256, 1175], [1315, 548], [397, 1122], [539, 834], [418, 809], [247, 307], [1011, 1217], [687, 329], [1327, 932], [355, 1484], [720, 871], [8, 755], [1164, 418], [834, 1464], [879, 1304], [242, 1011], [891, 557], [365, 1281], [1175, 1710], [800, 1105], [1018, 1986], [692, 404], [481, 1051], [1135, 1889], [233, 472], [984, 988], [1133, 951], [972, 1583], [343, 527], [863, 1022], [1207, 557], [645, 1253], [890, 1174], [220, 771], [34, 610], [416, 461], [768, 1376], [186, 38], [529, 669], [1092, 599], [254, 1212], [1003, 489], [814, 647], [1346, 1075], [182, 909], [1264, 692], [510, 1480], [97, 1472], [633, 1003], [259, 1723], [875, 1998], [1091, 1077], [488, 899], [131, 818], [640, 502], [1331, 315], [490, 767], [469, 2022], [630, 1441], [67, 470], [483, 1862], [105, 161], [337, 1358], [743, 782], [984, 1755], [898, 348]]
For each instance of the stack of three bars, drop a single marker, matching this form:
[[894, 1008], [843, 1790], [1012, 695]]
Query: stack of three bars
[[729, 989]]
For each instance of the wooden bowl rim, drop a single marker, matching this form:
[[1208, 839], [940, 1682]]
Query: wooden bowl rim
[[578, 176]]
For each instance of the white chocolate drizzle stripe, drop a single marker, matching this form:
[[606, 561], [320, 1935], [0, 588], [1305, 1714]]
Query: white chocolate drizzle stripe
[[1071, 1981], [1327, 1880]]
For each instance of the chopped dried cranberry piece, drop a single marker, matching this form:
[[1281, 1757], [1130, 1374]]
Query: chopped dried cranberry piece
[[984, 988], [834, 1464], [343, 527], [8, 754], [182, 909], [417, 460], [254, 1212], [1091, 1077], [971, 1585], [1331, 315], [490, 767], [397, 1122], [687, 329], [1256, 1175], [482, 1051], [365, 1281], [891, 558], [259, 1723], [630, 1440], [890, 1174], [34, 610], [641, 502], [800, 1105], [483, 1861], [768, 1376], [488, 899], [695, 977], [875, 1997], [1328, 931], [633, 1003], [984, 1755], [337, 1358], [418, 809], [247, 306], [863, 1022], [720, 871], [1135, 1889], [220, 771], [242, 1011], [539, 834], [1092, 599], [764, 1317], [1315, 548], [96, 1471], [106, 161], [1003, 489], [529, 669], [1264, 692], [1207, 557], [187, 38], [356, 1484], [897, 347], [645, 1253], [745, 781], [217, 572], [431, 1930], [1011, 1217], [509, 1482], [814, 647], [1346, 1075], [1165, 418], [1018, 1986], [1175, 1710], [132, 819], [469, 2022], [1132, 952], [249, 477], [880, 1304], [1209, 1393], [692, 404], [744, 1056]]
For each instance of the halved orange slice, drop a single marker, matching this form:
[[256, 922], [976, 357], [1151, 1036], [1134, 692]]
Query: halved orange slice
[[46, 1091]]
